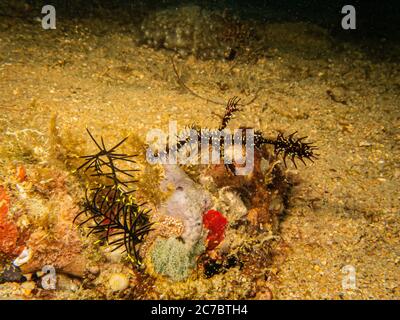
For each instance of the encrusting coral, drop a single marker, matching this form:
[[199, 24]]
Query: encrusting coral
[[187, 202], [110, 207]]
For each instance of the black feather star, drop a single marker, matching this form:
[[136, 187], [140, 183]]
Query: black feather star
[[109, 207]]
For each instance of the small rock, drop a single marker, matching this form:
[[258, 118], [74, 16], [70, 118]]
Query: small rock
[[208, 183], [114, 256], [365, 144], [230, 204], [118, 282], [21, 173], [236, 70], [28, 276], [63, 253], [276, 205], [66, 283], [264, 295], [95, 270], [76, 267], [260, 217], [24, 257], [263, 292], [12, 274], [252, 216], [28, 287], [338, 95]]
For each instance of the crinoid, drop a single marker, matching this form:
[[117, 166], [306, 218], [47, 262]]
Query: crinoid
[[109, 207]]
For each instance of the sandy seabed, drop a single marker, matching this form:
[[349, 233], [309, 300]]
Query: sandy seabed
[[343, 210]]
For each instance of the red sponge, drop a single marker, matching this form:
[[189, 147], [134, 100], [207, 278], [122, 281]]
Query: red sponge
[[215, 222]]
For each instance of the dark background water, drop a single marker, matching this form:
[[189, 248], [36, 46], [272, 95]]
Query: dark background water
[[376, 20]]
